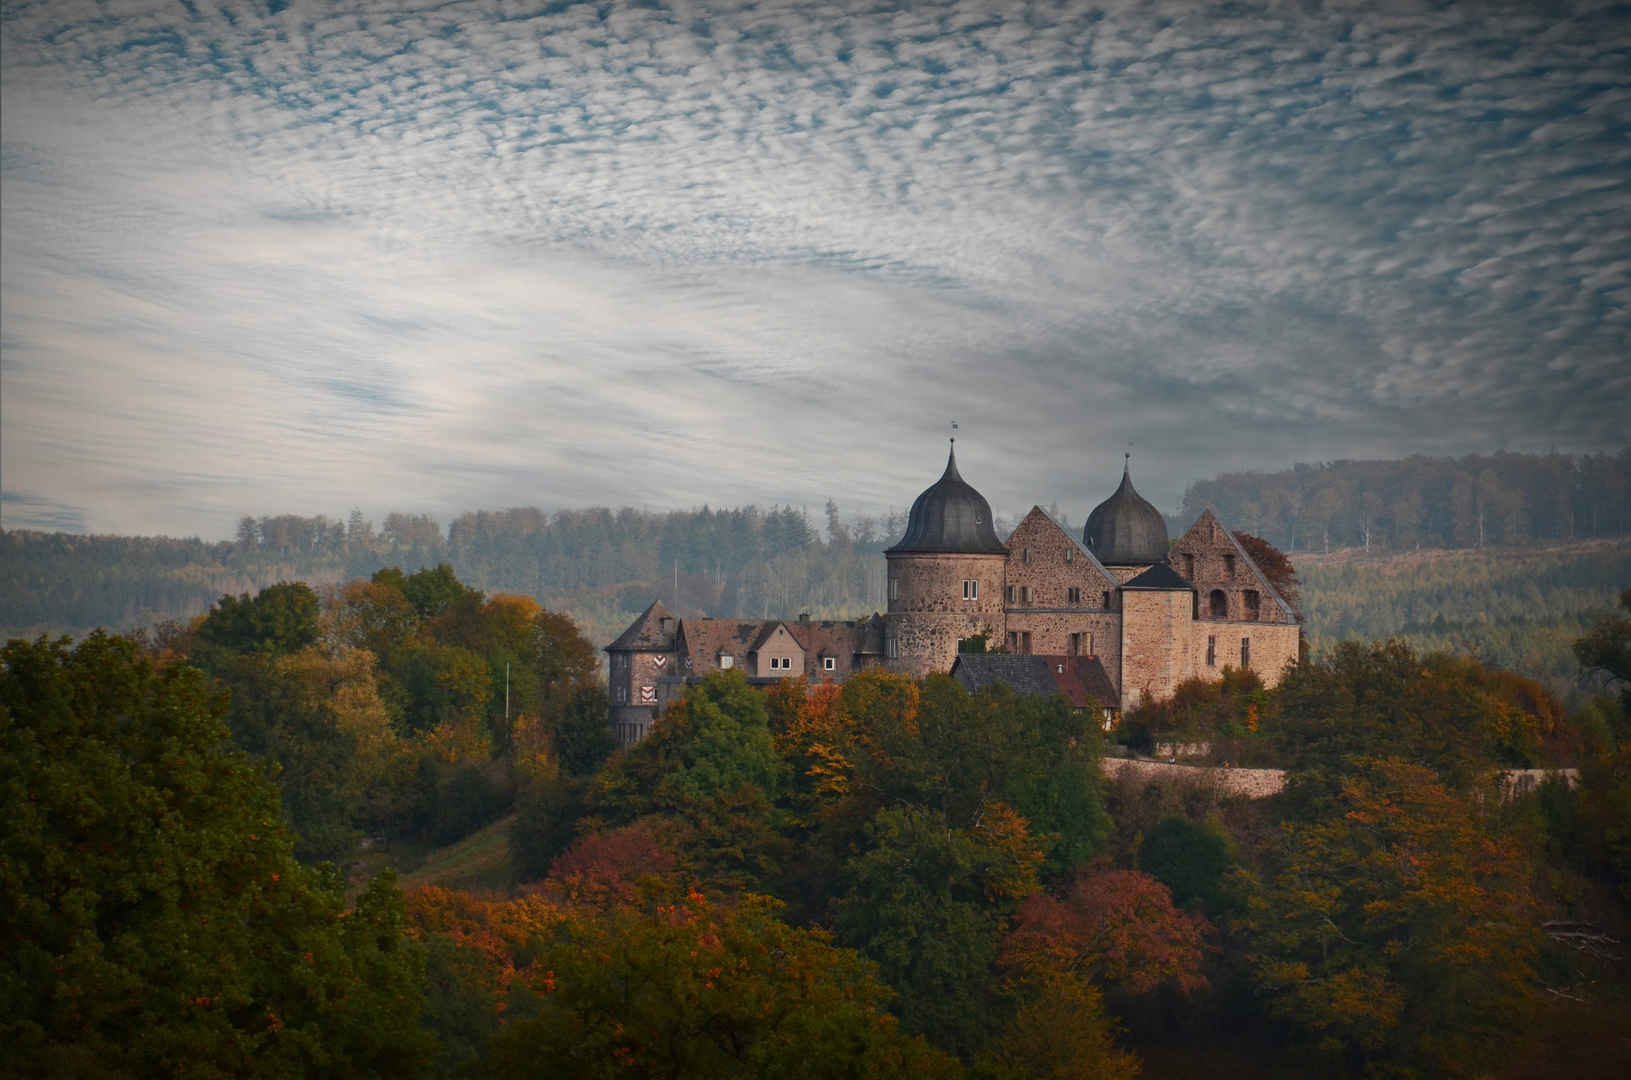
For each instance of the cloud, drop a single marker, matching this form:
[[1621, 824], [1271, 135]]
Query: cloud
[[442, 256]]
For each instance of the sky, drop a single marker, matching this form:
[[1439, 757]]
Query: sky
[[262, 258]]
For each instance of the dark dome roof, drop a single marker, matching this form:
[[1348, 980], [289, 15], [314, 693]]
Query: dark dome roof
[[1125, 530], [951, 518]]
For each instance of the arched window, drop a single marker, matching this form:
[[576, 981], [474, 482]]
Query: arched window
[[1220, 604]]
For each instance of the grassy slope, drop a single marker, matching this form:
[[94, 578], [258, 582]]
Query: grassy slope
[[479, 861]]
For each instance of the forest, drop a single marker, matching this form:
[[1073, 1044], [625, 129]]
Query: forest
[[1505, 499], [206, 822]]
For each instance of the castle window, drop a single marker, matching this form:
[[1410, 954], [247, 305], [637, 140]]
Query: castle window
[[1075, 644], [829, 663], [1027, 595], [622, 693], [1254, 605], [726, 661], [1107, 601], [1220, 604], [1025, 642], [1189, 567], [971, 589], [1027, 555], [1070, 554], [1073, 595], [1245, 652], [1211, 652], [894, 648], [894, 588], [1228, 568], [1013, 641], [1013, 594]]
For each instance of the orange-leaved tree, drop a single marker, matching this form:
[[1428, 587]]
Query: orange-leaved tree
[[1395, 925], [678, 986]]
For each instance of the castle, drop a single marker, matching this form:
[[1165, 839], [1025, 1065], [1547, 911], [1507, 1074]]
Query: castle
[[1120, 609]]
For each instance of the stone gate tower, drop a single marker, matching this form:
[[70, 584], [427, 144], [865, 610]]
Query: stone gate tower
[[946, 577]]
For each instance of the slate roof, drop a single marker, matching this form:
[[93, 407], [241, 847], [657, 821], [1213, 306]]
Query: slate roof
[[1028, 676], [646, 633], [1160, 576], [1081, 679], [950, 518], [1125, 530]]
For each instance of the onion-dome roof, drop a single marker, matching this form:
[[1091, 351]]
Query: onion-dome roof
[[950, 518], [1125, 530]]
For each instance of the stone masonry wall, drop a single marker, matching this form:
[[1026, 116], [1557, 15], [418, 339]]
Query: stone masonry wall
[[928, 613], [1155, 644], [1274, 645]]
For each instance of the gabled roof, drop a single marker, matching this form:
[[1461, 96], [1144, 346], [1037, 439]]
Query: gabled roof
[[1240, 550], [1083, 681], [769, 631], [707, 638], [646, 634], [1160, 576], [1081, 548], [1028, 676], [827, 637]]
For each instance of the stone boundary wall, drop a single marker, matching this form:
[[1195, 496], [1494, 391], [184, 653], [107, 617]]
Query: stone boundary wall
[[1261, 783], [1249, 783]]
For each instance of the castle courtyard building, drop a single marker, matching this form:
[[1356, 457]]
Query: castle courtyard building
[[1148, 612]]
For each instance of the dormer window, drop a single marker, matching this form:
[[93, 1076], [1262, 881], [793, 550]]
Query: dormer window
[[726, 661], [829, 663], [1070, 554], [1027, 555]]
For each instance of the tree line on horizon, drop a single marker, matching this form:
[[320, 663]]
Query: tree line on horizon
[[1502, 499]]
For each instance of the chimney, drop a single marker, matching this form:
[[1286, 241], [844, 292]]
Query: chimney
[[804, 616]]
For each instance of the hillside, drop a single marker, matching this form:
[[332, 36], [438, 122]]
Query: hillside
[[1520, 609]]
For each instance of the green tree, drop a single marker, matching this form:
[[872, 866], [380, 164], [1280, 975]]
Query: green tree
[[1444, 712], [679, 987], [153, 921], [281, 619], [1192, 859], [1395, 926], [927, 901]]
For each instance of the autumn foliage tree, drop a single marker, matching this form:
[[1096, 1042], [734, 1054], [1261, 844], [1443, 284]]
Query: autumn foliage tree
[[1393, 926]]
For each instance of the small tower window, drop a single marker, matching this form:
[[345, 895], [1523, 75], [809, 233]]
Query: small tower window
[[1228, 568], [1027, 555], [971, 589], [1027, 594], [1212, 651], [894, 648], [1245, 652], [1073, 595], [1012, 593], [1219, 604], [894, 588], [1107, 601], [1254, 604], [1070, 554], [1189, 567]]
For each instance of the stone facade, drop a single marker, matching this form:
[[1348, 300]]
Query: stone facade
[[935, 601]]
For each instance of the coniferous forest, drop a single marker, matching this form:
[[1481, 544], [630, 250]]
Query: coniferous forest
[[252, 845]]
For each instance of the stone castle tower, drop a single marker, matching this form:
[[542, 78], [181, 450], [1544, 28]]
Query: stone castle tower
[[945, 577]]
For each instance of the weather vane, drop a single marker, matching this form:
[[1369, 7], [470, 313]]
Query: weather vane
[[954, 428]]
